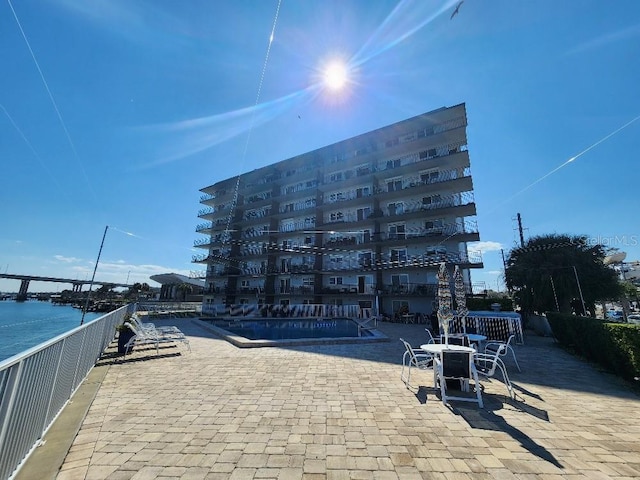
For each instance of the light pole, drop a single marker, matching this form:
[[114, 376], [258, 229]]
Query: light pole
[[86, 303]]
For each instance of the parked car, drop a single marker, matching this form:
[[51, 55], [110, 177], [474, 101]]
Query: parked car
[[634, 318], [615, 316]]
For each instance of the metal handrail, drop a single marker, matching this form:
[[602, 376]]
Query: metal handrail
[[36, 385]]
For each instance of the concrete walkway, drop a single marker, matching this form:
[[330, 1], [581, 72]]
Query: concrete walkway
[[341, 412]]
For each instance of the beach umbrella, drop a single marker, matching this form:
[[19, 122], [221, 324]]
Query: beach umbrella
[[445, 314], [461, 298]]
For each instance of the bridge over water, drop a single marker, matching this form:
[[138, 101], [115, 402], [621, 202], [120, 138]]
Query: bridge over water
[[77, 284]]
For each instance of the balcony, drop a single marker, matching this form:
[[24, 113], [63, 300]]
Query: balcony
[[204, 227]]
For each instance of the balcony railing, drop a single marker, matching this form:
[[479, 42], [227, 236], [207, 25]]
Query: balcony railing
[[204, 227], [444, 201], [260, 197], [253, 232], [198, 274], [253, 214], [301, 225], [446, 230], [427, 260], [440, 177], [297, 207], [205, 211]]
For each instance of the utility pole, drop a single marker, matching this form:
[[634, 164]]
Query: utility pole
[[520, 230]]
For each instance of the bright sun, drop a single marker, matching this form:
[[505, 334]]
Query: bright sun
[[336, 76]]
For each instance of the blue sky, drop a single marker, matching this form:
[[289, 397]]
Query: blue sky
[[117, 112]]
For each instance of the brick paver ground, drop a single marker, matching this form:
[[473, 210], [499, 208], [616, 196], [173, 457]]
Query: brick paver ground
[[341, 412]]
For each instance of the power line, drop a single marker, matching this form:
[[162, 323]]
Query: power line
[[248, 139], [53, 101]]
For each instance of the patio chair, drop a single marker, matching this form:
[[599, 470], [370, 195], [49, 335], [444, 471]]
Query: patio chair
[[457, 365], [135, 320], [414, 358], [494, 346], [456, 339], [487, 365], [430, 338], [152, 337]]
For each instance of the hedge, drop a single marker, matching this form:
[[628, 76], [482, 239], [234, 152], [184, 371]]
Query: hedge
[[614, 346], [476, 303]]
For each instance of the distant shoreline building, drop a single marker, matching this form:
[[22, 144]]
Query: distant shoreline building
[[365, 221], [176, 287]]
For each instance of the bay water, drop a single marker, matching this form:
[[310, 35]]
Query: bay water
[[24, 325]]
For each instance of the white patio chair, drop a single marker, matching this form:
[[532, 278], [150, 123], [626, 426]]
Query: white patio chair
[[457, 365], [494, 346], [173, 330], [430, 338], [414, 358], [152, 337], [487, 365]]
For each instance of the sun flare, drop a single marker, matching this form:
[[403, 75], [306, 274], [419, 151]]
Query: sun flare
[[336, 76]]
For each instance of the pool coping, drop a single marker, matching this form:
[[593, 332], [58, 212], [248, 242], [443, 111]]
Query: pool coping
[[243, 342]]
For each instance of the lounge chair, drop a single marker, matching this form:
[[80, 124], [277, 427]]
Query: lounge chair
[[146, 336]]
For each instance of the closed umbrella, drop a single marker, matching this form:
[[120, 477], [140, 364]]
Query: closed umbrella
[[461, 298], [445, 314]]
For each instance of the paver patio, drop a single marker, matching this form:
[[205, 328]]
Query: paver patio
[[342, 412]]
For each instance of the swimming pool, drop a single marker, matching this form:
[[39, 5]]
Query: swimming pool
[[291, 331]]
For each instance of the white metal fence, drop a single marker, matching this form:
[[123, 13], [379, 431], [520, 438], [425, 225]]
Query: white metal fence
[[37, 384]]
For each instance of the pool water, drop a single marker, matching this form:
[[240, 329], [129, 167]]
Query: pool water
[[291, 329]]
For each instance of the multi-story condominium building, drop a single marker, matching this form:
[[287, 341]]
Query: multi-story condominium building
[[366, 221]]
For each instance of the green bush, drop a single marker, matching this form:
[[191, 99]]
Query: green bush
[[614, 346], [506, 304]]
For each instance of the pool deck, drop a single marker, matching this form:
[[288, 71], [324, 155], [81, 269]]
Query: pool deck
[[341, 412]]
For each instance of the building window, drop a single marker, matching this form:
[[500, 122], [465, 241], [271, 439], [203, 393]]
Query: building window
[[397, 231], [396, 208], [430, 177], [393, 164], [363, 213], [400, 304], [399, 282], [364, 259], [431, 201], [336, 260], [397, 255], [434, 224], [394, 185], [335, 280], [363, 192]]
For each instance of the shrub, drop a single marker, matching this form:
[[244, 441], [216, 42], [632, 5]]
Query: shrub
[[614, 346], [506, 304]]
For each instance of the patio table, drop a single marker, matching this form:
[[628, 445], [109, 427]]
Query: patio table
[[437, 348]]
